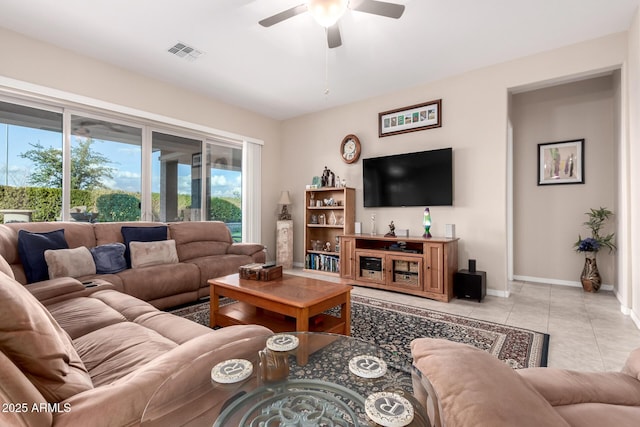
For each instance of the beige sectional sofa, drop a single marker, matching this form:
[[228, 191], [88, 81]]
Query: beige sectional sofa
[[96, 357], [466, 386], [204, 250]]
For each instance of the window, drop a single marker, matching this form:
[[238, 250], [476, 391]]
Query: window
[[175, 184], [110, 165], [224, 186], [105, 173], [30, 163]]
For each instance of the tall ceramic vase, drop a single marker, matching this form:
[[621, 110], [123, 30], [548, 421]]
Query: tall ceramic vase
[[590, 276]]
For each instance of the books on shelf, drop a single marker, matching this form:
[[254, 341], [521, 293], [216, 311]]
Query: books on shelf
[[322, 262]]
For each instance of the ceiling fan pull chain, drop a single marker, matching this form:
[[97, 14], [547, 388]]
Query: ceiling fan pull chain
[[326, 69]]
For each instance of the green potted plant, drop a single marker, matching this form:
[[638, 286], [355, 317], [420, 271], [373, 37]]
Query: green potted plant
[[590, 246]]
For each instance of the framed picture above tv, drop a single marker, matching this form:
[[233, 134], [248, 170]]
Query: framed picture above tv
[[410, 119]]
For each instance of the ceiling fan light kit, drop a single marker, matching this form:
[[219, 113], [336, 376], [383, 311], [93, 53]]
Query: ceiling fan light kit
[[327, 12]]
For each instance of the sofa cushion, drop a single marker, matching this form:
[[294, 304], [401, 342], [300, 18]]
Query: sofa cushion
[[141, 234], [200, 239], [36, 343], [109, 359], [146, 254], [109, 258], [476, 389], [31, 247], [74, 262]]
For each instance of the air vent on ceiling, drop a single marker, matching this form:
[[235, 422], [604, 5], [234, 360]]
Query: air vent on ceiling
[[184, 51]]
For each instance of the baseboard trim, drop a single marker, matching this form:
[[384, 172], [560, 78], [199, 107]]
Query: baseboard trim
[[557, 282], [496, 293]]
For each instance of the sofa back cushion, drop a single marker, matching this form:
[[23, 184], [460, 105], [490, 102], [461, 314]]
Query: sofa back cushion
[[6, 268], [200, 239], [19, 395], [76, 234], [36, 344]]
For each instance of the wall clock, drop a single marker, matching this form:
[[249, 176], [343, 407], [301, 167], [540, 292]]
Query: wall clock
[[350, 148]]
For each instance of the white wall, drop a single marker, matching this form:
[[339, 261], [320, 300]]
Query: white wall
[[551, 216], [474, 123], [32, 61]]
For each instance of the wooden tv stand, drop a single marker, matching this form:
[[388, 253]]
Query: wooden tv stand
[[412, 265]]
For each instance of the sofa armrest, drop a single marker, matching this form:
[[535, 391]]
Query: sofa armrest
[[566, 387], [245, 248], [476, 389], [48, 290]]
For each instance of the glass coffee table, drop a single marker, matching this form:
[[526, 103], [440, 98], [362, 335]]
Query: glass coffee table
[[326, 380]]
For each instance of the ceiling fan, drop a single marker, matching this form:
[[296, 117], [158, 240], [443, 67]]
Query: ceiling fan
[[328, 12]]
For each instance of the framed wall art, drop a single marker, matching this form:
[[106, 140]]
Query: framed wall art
[[410, 119], [561, 162]]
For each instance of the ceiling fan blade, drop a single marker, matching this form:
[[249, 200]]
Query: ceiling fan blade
[[382, 8], [333, 36], [279, 17]]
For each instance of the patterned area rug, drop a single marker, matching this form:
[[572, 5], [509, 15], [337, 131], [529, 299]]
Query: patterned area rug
[[393, 326]]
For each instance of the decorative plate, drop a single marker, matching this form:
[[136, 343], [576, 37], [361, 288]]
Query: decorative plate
[[389, 409], [367, 366], [231, 371]]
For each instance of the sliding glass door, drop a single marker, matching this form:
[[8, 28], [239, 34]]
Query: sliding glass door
[[223, 192], [175, 177], [105, 170], [31, 172], [61, 164]]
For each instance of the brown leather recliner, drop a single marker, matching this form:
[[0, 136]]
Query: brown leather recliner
[[464, 386]]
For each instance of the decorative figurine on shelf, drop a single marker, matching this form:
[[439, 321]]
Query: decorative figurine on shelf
[[326, 177], [336, 246], [392, 230], [327, 247], [427, 223]]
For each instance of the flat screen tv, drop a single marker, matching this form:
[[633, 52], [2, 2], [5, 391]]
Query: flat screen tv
[[412, 179]]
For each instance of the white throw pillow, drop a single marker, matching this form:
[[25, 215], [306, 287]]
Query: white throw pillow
[[145, 254], [69, 262]]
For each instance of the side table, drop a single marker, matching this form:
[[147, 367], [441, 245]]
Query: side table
[[284, 243], [471, 285]]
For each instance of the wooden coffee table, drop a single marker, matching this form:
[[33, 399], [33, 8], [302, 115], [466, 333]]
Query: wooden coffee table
[[289, 303]]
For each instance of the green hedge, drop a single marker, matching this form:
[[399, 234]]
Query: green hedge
[[224, 210], [46, 204], [118, 207]]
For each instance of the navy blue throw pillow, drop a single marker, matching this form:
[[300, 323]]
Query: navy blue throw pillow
[[31, 247], [109, 258], [141, 234]]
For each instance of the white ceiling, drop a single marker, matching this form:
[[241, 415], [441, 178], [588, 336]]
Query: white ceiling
[[281, 71]]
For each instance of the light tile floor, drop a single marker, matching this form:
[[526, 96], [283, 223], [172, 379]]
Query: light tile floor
[[588, 331]]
